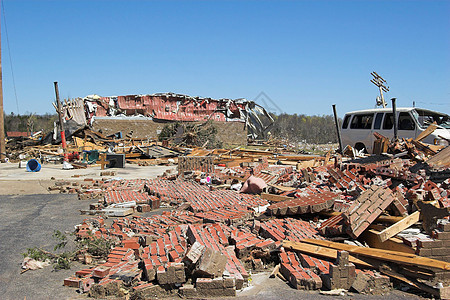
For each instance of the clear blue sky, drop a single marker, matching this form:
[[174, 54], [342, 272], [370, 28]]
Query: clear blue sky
[[305, 55]]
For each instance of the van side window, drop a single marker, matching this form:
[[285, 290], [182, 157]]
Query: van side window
[[388, 121], [362, 121], [378, 119], [405, 122], [346, 119]]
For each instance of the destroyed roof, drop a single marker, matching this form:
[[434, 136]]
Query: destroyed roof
[[171, 107], [169, 94]]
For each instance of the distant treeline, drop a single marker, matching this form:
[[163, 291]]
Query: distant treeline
[[310, 129], [296, 128], [29, 122]]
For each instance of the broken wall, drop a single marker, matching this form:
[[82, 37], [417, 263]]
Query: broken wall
[[229, 133]]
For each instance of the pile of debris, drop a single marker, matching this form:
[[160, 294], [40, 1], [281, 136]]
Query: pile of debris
[[165, 116], [364, 224]]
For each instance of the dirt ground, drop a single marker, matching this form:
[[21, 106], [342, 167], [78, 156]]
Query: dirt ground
[[29, 215]]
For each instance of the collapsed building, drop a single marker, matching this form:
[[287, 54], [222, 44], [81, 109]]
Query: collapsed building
[[331, 223], [248, 119], [335, 223]]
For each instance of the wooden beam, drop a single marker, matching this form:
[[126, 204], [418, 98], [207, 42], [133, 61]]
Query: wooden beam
[[305, 164], [282, 188], [275, 198], [388, 219], [102, 161], [391, 273], [416, 272], [283, 162], [242, 150], [423, 147], [323, 252], [229, 177], [384, 255], [381, 219], [371, 238], [404, 223], [430, 129], [300, 157]]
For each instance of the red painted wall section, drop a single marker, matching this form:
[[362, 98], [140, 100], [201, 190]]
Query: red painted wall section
[[169, 107]]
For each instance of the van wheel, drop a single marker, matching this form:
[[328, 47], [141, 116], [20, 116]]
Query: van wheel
[[360, 146]]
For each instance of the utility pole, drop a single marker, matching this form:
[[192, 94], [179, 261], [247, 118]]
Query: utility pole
[[338, 130], [380, 83], [61, 124], [2, 120]]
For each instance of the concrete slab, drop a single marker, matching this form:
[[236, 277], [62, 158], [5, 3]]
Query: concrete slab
[[17, 181]]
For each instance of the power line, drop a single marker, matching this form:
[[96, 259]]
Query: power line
[[9, 54]]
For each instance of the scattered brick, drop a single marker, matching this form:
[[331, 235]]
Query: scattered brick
[[304, 204], [342, 274], [366, 208]]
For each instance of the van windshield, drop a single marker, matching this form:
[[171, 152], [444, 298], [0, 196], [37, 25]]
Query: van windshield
[[426, 117]]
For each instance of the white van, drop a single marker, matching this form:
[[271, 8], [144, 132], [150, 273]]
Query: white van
[[358, 126]]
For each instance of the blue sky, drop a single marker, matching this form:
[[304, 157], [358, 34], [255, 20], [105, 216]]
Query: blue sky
[[305, 55]]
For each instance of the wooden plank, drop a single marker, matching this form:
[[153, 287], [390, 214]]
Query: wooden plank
[[371, 238], [305, 164], [84, 145], [50, 153], [381, 219], [131, 155], [384, 255], [391, 273], [282, 188], [357, 249], [275, 271], [327, 158], [430, 129], [423, 147], [416, 272], [252, 151], [283, 162], [388, 219], [103, 162], [442, 159], [323, 252], [275, 198], [229, 177], [404, 223], [300, 157], [226, 152]]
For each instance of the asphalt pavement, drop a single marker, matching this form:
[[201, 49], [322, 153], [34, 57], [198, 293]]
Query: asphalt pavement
[[29, 221]]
